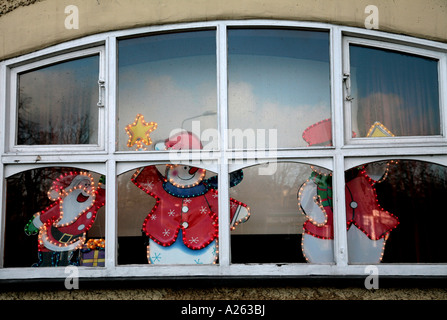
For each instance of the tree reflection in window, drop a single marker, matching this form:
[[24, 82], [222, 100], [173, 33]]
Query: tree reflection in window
[[57, 104]]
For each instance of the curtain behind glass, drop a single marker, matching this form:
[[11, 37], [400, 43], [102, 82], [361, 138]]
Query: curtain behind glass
[[398, 90]]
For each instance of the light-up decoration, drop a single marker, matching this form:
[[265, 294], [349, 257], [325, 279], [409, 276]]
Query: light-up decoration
[[379, 130], [183, 176], [182, 140], [368, 224], [315, 202], [189, 209], [93, 244], [62, 226], [93, 253], [319, 134], [139, 131]]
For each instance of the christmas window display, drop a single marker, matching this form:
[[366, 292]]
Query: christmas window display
[[66, 203], [376, 219], [182, 226], [368, 224], [402, 198]]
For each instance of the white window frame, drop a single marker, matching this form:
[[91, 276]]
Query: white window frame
[[440, 56], [11, 145], [105, 159]]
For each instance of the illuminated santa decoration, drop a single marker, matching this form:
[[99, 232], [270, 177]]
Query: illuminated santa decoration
[[368, 224], [62, 226], [183, 224]]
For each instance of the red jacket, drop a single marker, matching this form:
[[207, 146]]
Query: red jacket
[[196, 213], [362, 210], [68, 234]]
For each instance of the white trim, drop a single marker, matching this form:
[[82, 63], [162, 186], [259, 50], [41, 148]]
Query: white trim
[[246, 271], [352, 162], [11, 170]]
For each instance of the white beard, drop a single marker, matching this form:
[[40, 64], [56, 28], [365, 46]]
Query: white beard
[[71, 209]]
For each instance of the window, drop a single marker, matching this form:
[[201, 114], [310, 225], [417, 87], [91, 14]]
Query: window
[[225, 149], [170, 79], [278, 79], [64, 209], [56, 102], [393, 92]]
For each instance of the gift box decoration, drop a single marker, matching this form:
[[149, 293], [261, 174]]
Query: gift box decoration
[[93, 253]]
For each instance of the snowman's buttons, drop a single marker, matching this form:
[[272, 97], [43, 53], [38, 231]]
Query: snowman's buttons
[[185, 224], [353, 205]]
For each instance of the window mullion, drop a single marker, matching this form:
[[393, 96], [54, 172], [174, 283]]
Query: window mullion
[[2, 211], [111, 215], [337, 94], [110, 145], [442, 71], [223, 171], [2, 149], [340, 234]]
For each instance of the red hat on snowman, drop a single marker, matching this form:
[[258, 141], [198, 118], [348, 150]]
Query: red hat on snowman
[[183, 140]]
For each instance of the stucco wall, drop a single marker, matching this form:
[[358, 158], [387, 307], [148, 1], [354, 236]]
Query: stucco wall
[[29, 25], [237, 290], [25, 27]]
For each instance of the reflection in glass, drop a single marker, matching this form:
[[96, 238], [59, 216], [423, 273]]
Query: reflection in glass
[[279, 80], [413, 192], [275, 230], [58, 104], [54, 217], [176, 208], [170, 79], [369, 225], [395, 89]]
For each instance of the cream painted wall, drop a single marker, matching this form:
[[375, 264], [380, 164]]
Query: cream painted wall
[[42, 23]]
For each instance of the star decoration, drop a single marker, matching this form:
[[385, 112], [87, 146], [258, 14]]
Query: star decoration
[[379, 130], [139, 132]]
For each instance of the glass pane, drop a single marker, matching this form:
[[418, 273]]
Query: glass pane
[[168, 214], [167, 83], [394, 93], [58, 104], [395, 213], [278, 80], [290, 215], [55, 217]]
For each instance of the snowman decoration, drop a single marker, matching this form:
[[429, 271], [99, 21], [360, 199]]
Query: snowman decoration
[[182, 227], [368, 224]]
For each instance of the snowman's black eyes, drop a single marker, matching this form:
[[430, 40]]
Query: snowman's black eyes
[[185, 167]]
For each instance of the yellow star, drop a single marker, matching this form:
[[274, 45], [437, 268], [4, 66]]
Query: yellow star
[[139, 132]]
